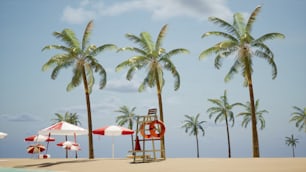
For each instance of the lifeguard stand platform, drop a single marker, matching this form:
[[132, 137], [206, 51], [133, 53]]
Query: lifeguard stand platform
[[149, 131]]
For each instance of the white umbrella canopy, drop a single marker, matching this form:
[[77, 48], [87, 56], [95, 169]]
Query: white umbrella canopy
[[113, 130], [63, 128], [2, 135]]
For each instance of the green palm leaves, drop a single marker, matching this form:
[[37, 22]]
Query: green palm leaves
[[153, 57], [299, 117], [79, 55], [291, 141], [194, 126], [238, 41]]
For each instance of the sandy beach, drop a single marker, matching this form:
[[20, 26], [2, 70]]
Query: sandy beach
[[168, 165]]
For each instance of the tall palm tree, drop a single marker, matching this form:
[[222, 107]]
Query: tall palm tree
[[154, 58], [223, 111], [81, 57], [239, 41], [247, 115], [71, 118], [194, 127], [127, 117], [299, 116], [291, 141]]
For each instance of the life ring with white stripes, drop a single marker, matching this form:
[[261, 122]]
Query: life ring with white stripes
[[155, 131]]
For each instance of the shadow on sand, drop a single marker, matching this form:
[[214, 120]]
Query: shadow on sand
[[49, 164]]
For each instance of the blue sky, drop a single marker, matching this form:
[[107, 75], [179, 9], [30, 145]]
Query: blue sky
[[29, 97]]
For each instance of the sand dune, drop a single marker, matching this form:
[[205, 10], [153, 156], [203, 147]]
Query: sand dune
[[168, 165]]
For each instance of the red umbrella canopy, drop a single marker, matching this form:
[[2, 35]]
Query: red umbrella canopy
[[36, 148], [63, 128], [39, 138], [113, 130]]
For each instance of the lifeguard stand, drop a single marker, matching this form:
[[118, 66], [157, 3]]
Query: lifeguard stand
[[148, 152]]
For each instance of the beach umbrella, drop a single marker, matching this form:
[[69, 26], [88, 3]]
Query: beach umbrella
[[113, 130], [36, 149], [63, 128], [69, 145], [39, 138], [2, 135]]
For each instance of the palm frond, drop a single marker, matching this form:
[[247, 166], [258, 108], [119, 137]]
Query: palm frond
[[252, 19], [232, 71], [86, 34], [239, 24], [270, 36], [230, 28], [146, 42], [57, 47], [160, 37], [77, 77]]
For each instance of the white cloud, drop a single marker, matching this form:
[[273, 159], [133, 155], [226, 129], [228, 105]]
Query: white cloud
[[160, 9], [77, 15], [122, 85]]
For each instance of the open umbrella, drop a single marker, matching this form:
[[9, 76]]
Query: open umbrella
[[113, 130], [2, 135], [69, 145], [39, 138], [36, 149], [63, 128]]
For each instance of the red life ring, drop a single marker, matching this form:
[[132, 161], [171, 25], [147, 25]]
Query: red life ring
[[157, 131], [142, 130]]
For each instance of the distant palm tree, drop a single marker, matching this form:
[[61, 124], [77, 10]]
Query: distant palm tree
[[291, 141], [80, 56], [240, 41], [223, 110], [194, 126], [299, 116], [128, 117], [71, 118], [247, 115], [154, 58]]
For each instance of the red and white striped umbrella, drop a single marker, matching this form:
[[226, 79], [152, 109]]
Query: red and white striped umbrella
[[39, 138], [36, 148], [63, 128], [69, 145], [113, 130]]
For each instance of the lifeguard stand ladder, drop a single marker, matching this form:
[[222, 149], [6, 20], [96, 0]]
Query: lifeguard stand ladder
[[144, 156]]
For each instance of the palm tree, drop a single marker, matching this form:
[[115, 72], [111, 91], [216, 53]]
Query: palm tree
[[223, 111], [71, 118], [127, 117], [154, 58], [299, 116], [247, 115], [239, 40], [195, 126], [291, 141], [80, 56]]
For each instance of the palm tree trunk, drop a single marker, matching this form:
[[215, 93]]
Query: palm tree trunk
[[198, 151], [293, 153], [228, 137], [254, 126], [90, 142], [161, 116]]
